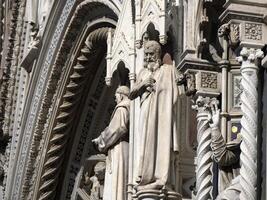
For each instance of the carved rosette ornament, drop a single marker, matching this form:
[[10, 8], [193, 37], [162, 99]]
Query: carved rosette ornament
[[249, 107], [204, 161]]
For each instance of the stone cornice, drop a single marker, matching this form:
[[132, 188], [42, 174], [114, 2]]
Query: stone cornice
[[197, 64], [242, 10]]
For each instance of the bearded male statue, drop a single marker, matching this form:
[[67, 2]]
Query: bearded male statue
[[157, 90]]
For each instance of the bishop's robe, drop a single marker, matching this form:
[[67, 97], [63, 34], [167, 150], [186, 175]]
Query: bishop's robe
[[157, 126], [114, 141]]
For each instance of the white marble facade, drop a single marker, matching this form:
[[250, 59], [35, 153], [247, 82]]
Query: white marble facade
[[133, 99]]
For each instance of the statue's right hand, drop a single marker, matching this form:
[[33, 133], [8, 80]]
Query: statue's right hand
[[95, 143], [149, 82]]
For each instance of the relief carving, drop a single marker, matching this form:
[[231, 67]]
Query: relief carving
[[237, 91], [208, 80], [234, 34], [253, 31]]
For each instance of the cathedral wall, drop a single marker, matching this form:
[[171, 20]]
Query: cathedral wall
[[61, 62]]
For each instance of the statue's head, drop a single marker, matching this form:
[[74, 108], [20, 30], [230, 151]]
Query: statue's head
[[122, 92], [99, 170], [152, 57]]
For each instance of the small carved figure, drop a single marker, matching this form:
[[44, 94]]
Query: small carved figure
[[95, 184], [187, 82], [114, 141], [227, 156], [157, 89], [37, 12], [224, 30]]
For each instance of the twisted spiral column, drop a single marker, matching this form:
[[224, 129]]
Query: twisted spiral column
[[249, 107], [204, 162]]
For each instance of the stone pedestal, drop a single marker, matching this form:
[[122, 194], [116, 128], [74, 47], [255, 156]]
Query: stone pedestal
[[157, 195]]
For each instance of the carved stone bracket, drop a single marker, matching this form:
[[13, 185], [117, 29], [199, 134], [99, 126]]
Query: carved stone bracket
[[246, 33], [200, 82], [231, 32]]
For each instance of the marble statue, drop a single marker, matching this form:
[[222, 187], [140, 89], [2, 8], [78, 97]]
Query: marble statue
[[95, 184], [37, 11], [227, 156], [114, 141], [157, 90]]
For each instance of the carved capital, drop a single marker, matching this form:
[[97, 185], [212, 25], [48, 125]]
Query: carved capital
[[203, 104], [249, 58]]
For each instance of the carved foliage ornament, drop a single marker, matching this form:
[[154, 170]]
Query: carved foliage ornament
[[250, 55], [231, 32], [234, 34], [204, 103], [208, 80]]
